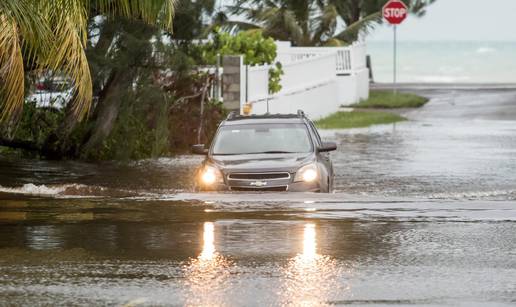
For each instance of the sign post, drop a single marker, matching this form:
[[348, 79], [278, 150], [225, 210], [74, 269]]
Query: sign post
[[394, 11], [394, 60]]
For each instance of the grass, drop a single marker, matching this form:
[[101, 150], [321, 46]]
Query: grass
[[386, 99], [357, 119]]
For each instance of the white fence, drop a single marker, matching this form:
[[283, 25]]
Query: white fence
[[258, 83], [347, 59], [311, 71], [316, 79]]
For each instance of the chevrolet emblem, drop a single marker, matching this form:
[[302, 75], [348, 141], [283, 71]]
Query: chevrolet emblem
[[258, 183]]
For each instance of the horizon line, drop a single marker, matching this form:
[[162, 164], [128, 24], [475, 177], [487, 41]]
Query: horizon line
[[439, 41]]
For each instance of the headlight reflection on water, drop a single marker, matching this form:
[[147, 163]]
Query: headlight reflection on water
[[208, 247], [310, 278], [309, 243], [307, 279], [208, 275]]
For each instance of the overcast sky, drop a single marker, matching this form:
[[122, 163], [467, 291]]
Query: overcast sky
[[493, 20]]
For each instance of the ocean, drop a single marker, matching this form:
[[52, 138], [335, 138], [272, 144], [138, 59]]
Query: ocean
[[445, 62]]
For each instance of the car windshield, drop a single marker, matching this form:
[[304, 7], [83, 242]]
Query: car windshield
[[262, 138]]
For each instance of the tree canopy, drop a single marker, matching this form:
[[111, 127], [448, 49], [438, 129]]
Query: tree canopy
[[51, 35], [313, 22]]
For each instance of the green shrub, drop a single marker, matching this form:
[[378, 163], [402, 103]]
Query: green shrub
[[357, 119], [386, 99], [257, 50]]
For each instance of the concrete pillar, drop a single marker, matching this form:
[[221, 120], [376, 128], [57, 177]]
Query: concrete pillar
[[233, 82]]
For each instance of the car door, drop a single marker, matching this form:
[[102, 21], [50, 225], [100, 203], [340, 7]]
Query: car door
[[323, 156]]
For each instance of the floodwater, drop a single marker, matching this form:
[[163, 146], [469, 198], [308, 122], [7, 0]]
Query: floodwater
[[424, 214]]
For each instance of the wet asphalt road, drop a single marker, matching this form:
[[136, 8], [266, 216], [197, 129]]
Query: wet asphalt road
[[425, 214]]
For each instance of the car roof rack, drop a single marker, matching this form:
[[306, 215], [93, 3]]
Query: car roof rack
[[234, 115]]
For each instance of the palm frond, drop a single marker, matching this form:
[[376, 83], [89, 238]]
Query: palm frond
[[334, 42], [25, 36], [68, 19], [418, 7], [11, 70], [291, 25], [31, 25], [364, 25], [230, 26], [325, 23], [159, 12], [281, 24]]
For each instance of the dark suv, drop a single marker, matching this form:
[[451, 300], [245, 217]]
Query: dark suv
[[272, 152]]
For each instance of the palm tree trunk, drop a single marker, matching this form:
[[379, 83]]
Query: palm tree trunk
[[108, 110], [119, 83]]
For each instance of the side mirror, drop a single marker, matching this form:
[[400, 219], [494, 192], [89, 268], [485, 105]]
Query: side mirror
[[327, 146], [199, 149]]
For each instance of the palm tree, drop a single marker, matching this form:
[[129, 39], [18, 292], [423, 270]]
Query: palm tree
[[52, 35], [283, 19], [313, 22]]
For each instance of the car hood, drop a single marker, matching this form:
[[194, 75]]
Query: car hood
[[262, 162]]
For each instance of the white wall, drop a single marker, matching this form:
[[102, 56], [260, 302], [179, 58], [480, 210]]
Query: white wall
[[363, 84], [258, 85], [316, 80], [311, 71], [353, 88], [316, 102], [346, 89]]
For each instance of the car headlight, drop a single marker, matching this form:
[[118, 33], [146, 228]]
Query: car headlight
[[307, 173], [210, 175]]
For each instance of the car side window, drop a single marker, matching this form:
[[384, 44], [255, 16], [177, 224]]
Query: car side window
[[315, 133]]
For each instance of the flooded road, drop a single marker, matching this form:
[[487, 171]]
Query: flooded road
[[424, 213], [462, 145], [296, 252]]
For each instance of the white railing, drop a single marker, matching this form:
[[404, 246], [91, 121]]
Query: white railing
[[344, 61], [347, 59]]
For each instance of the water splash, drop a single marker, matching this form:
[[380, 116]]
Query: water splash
[[71, 190]]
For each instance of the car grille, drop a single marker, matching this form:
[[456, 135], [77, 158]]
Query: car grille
[[271, 181], [259, 176]]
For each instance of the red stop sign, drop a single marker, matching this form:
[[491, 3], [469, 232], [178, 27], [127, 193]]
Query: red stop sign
[[395, 12]]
